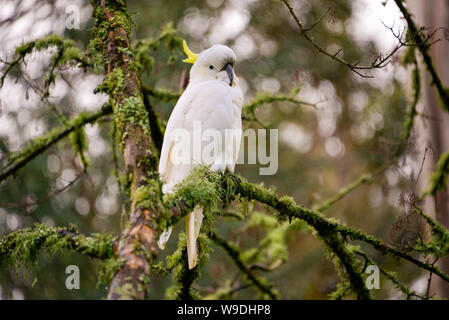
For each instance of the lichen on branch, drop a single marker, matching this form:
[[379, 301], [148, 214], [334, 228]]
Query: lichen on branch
[[20, 249]]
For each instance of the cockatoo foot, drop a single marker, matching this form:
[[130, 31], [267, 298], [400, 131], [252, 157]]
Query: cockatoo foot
[[238, 182]]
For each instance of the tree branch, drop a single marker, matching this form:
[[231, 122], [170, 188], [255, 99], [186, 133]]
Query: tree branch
[[379, 62], [157, 130], [41, 144], [442, 90], [234, 253], [110, 42], [327, 229], [68, 52], [21, 248], [364, 179]]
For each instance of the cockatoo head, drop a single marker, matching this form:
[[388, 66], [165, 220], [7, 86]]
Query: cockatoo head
[[217, 62]]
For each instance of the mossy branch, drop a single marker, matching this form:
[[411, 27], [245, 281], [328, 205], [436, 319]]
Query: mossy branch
[[68, 53], [442, 90], [439, 246], [143, 48], [21, 248], [386, 249], [267, 97], [249, 109], [328, 230], [18, 160], [110, 46], [224, 185], [165, 95], [323, 206], [438, 179], [410, 58], [233, 252], [184, 276], [390, 276]]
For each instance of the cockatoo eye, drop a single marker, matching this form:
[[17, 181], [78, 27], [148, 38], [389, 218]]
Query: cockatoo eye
[[211, 67]]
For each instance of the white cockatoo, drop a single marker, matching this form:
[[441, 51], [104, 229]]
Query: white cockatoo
[[212, 102]]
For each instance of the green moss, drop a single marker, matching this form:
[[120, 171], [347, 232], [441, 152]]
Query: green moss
[[439, 246], [20, 249], [183, 276], [99, 33], [145, 48], [67, 53], [133, 111], [267, 290], [127, 110], [438, 180], [80, 144], [160, 269], [203, 188], [113, 83], [148, 194], [412, 112]]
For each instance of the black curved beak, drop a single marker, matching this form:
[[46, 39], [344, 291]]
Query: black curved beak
[[229, 70]]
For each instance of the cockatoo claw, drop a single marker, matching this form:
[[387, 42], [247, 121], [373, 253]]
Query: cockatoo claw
[[238, 182]]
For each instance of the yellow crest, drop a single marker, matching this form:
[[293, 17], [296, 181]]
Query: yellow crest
[[191, 57]]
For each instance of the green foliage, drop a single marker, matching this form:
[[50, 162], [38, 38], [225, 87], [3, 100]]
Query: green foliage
[[132, 111]]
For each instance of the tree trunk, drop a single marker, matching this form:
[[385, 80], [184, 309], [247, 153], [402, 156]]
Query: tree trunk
[[111, 36]]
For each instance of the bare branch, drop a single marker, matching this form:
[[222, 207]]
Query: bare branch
[[442, 90], [379, 62]]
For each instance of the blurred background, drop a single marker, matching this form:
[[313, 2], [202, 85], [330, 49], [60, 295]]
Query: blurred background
[[354, 129]]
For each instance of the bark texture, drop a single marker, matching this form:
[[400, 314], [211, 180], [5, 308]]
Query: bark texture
[[136, 244]]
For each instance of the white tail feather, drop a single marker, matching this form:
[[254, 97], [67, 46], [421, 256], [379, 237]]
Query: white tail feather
[[193, 226]]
